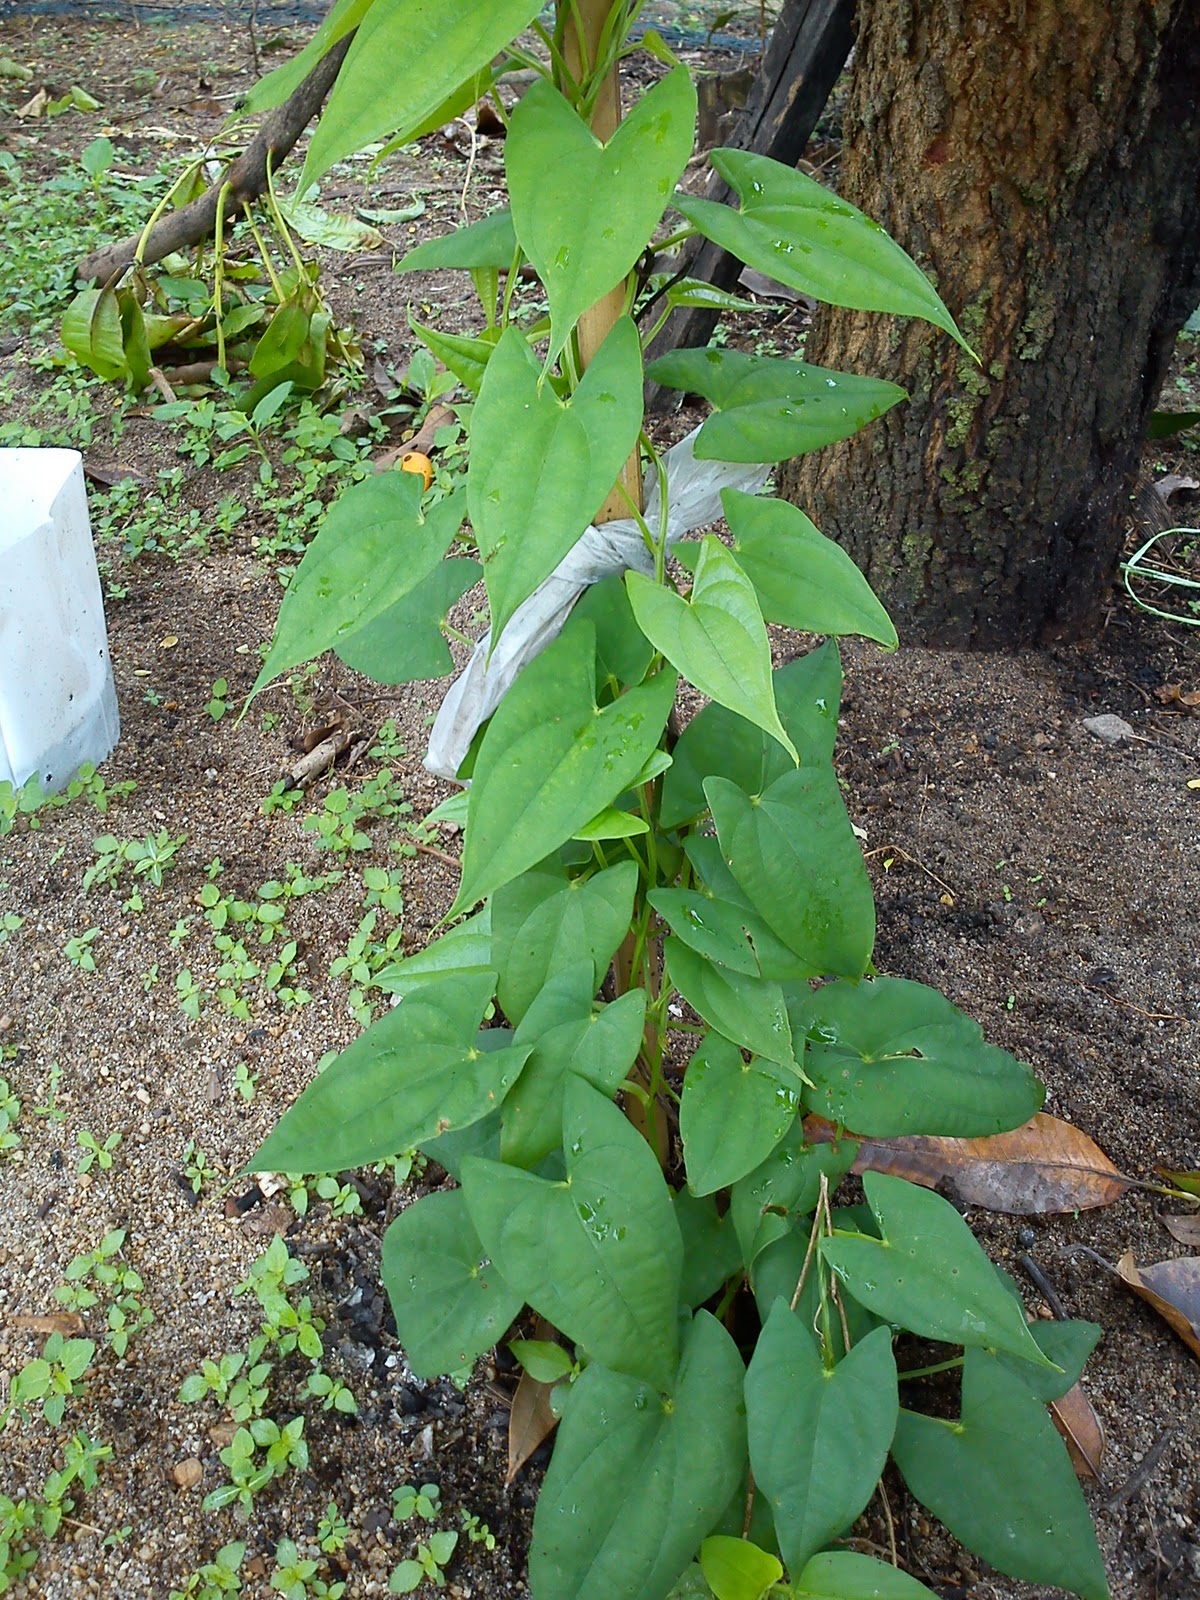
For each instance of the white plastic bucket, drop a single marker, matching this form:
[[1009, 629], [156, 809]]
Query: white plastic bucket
[[58, 703]]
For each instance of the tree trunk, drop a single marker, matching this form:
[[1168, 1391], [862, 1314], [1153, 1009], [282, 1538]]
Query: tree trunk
[[1041, 159]]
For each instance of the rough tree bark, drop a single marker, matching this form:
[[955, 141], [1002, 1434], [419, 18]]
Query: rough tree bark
[[1041, 158]]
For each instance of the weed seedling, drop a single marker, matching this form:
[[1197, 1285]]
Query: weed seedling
[[216, 1578], [49, 1378], [78, 950], [429, 1563], [218, 704], [332, 1530], [245, 1082], [10, 1110], [195, 1166], [95, 1153], [52, 1110], [297, 1580]]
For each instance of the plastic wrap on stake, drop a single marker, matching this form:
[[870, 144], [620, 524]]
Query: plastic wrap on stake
[[693, 500]]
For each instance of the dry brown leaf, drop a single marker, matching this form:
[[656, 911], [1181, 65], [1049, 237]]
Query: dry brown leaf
[[1173, 1289], [529, 1422], [1185, 1229], [68, 1323], [1045, 1166], [1082, 1431]]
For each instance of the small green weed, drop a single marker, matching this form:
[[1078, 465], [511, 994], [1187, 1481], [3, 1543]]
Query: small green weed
[[95, 1153], [216, 1578]]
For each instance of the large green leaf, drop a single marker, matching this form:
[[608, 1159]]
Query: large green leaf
[[780, 1192], [767, 409], [407, 58], [818, 1438], [710, 1247], [890, 1058], [373, 548], [91, 331], [798, 232], [467, 358], [1002, 1482], [583, 211], [802, 579], [750, 1011], [598, 1255], [637, 1480], [406, 644], [728, 933], [277, 86], [550, 760], [544, 921], [540, 466], [928, 1273], [449, 1300], [718, 640], [570, 1033], [623, 652], [722, 743], [794, 854], [490, 242], [467, 947], [414, 1073], [732, 1113], [846, 1575]]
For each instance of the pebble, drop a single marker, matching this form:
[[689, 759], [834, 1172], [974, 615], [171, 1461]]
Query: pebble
[[1108, 728]]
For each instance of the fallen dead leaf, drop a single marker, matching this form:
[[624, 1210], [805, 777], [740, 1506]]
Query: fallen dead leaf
[[68, 1323], [267, 1220], [221, 1434], [34, 107], [1082, 1431], [1172, 1288], [188, 1474], [1045, 1166], [529, 1422], [1185, 1229]]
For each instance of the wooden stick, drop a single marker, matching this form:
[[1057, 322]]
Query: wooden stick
[[246, 178]]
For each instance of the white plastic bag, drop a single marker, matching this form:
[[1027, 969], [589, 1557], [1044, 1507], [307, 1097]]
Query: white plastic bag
[[693, 499]]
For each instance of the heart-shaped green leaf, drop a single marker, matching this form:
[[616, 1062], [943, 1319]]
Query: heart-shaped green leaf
[[405, 644], [570, 1033], [710, 1248], [1002, 1482], [450, 1302], [636, 1480], [735, 1569], [818, 1438], [794, 854], [598, 1255], [372, 550], [750, 1011], [890, 1058], [803, 580], [781, 1192], [465, 357], [732, 1113], [544, 921], [767, 409], [718, 742], [490, 242], [583, 211], [718, 640], [728, 933], [406, 59], [549, 758], [541, 466], [413, 1074], [845, 1575], [465, 948], [927, 1273], [797, 231]]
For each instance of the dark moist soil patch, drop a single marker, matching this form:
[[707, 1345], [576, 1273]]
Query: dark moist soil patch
[[1044, 880]]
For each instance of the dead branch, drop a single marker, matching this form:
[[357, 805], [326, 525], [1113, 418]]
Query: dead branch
[[246, 178]]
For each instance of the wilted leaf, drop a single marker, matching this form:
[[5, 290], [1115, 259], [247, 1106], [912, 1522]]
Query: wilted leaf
[[1044, 1166], [1173, 1289], [1189, 1182], [1082, 1431], [1185, 1229], [531, 1419], [317, 226]]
